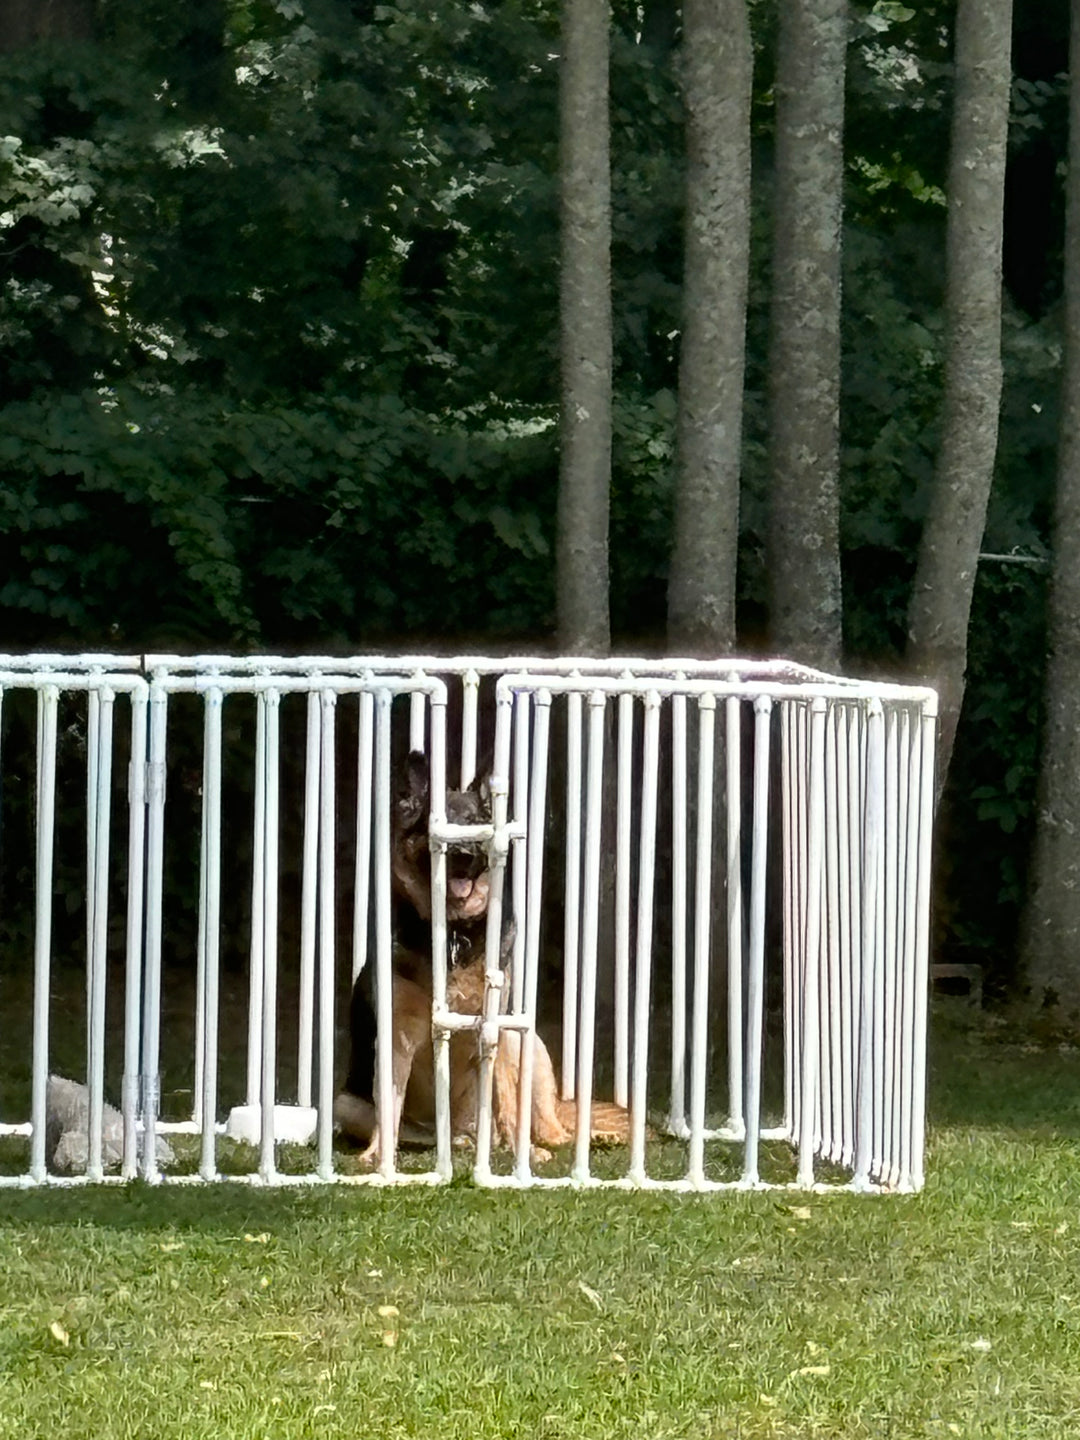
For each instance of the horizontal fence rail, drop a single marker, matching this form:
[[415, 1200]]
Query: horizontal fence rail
[[707, 917]]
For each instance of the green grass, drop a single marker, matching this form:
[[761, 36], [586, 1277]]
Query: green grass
[[461, 1313]]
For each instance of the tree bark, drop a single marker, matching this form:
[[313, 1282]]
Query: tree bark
[[1050, 935], [717, 59], [582, 605], [804, 362], [940, 606], [28, 22]]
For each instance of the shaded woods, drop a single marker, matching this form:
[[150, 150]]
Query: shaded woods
[[281, 343]]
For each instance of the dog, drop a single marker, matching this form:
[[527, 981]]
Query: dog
[[467, 895]]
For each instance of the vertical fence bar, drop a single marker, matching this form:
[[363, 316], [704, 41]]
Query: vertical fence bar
[[736, 1118], [572, 909], [309, 900], [362, 881], [324, 1165], [755, 978], [624, 781], [847, 758], [920, 976], [2, 693], [493, 974], [268, 1092], [533, 903], [650, 768], [521, 800], [133, 954], [417, 716], [886, 1017], [470, 699], [789, 781], [810, 1074], [98, 903], [200, 949], [384, 941], [257, 950], [155, 872], [789, 850], [799, 861], [677, 1112], [93, 752], [210, 925], [870, 941], [857, 757], [899, 1000], [702, 915], [906, 1052], [48, 701], [831, 1060], [590, 923], [437, 846]]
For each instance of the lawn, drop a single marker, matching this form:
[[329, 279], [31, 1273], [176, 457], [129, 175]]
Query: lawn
[[460, 1313]]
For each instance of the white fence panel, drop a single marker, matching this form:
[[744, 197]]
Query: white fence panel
[[717, 876], [75, 744]]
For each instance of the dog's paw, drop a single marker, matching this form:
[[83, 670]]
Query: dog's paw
[[371, 1155], [609, 1124]]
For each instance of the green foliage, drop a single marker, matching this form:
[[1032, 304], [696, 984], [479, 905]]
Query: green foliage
[[336, 518], [643, 449], [290, 319], [891, 385], [278, 332], [987, 820], [95, 519]]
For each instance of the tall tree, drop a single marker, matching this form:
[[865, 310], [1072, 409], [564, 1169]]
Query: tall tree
[[940, 605], [804, 359], [1051, 929], [581, 577], [717, 70], [26, 22]]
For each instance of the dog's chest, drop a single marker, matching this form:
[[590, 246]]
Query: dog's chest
[[465, 988]]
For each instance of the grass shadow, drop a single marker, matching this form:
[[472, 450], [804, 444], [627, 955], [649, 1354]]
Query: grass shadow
[[986, 1073]]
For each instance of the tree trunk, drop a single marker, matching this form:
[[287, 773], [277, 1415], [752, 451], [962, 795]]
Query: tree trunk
[[1050, 937], [804, 361], [940, 605], [28, 22], [585, 318], [717, 71]]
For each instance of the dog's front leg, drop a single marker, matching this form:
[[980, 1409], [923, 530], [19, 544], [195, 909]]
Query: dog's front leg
[[507, 1092], [405, 1046]]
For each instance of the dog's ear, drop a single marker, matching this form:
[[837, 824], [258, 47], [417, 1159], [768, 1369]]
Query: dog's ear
[[417, 774], [480, 785], [412, 800]]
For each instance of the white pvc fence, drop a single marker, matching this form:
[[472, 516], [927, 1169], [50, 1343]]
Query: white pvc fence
[[718, 874]]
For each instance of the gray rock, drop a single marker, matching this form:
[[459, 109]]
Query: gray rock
[[67, 1129]]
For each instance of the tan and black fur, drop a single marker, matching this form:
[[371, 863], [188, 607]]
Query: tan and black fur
[[468, 887]]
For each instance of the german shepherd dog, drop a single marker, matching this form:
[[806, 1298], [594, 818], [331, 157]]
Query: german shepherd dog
[[467, 891]]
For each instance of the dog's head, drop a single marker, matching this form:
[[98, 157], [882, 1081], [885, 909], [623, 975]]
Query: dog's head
[[467, 879]]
